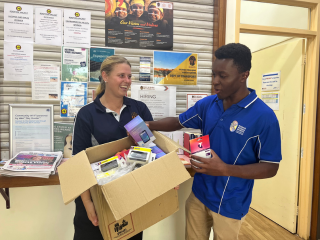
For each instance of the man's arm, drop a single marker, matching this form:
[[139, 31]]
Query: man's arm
[[216, 167], [165, 124]]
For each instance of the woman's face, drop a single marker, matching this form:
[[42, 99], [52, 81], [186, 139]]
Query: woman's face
[[137, 10], [154, 14], [119, 80]]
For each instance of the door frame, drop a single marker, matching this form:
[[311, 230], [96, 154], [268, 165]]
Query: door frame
[[308, 134]]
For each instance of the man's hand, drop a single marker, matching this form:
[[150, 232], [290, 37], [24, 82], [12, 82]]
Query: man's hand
[[211, 166]]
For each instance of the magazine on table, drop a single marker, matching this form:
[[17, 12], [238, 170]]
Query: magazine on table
[[34, 161]]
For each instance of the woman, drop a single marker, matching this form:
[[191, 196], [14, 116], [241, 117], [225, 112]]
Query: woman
[[103, 121]]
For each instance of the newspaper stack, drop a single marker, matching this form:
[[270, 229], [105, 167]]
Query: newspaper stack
[[32, 164]]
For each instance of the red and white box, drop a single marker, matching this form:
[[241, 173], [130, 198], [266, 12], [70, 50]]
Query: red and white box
[[201, 146]]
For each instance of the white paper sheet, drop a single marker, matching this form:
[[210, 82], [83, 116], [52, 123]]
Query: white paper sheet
[[77, 28], [18, 61], [18, 22], [48, 26]]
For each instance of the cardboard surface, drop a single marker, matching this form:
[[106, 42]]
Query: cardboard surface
[[133, 202], [135, 222], [76, 176]]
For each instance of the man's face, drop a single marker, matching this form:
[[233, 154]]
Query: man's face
[[137, 10], [154, 14], [226, 78], [121, 12]]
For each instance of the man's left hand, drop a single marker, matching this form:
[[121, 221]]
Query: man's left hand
[[211, 166]]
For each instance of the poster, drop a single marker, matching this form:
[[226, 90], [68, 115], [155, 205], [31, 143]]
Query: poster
[[97, 56], [73, 97], [77, 28], [139, 24], [48, 26], [18, 61], [145, 63], [271, 82], [63, 138], [31, 128], [46, 82], [271, 99], [161, 100], [18, 22], [192, 98], [175, 68], [74, 64]]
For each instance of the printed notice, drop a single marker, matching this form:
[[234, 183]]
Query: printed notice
[[139, 24], [271, 99], [145, 63], [73, 97], [192, 98], [74, 64], [18, 22], [77, 28], [62, 133], [97, 56], [175, 68], [46, 83], [18, 61], [161, 100], [271, 82], [48, 26]]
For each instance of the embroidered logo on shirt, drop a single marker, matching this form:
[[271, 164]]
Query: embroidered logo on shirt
[[233, 126], [237, 128], [133, 115], [240, 130]]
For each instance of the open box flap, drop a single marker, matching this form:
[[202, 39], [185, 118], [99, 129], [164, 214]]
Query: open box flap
[[135, 189], [76, 176], [167, 144]]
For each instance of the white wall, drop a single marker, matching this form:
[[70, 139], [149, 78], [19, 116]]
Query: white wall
[[264, 14]]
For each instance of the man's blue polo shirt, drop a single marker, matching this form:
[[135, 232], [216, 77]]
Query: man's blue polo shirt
[[248, 132]]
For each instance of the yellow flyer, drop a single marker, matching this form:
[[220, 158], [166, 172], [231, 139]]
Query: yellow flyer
[[177, 68]]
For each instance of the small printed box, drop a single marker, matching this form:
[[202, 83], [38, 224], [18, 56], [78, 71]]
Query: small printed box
[[201, 147]]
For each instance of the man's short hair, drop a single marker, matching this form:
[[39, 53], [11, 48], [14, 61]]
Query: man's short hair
[[240, 54]]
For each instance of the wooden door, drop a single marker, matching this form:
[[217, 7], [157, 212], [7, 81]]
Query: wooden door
[[277, 198]]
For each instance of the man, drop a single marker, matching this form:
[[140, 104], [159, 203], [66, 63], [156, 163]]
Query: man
[[245, 141]]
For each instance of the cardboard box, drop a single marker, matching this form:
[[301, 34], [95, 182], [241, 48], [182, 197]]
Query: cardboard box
[[133, 202]]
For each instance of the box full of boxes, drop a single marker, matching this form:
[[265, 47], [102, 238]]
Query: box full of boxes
[[130, 203]]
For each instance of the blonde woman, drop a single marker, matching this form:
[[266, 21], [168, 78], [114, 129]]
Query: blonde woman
[[103, 121]]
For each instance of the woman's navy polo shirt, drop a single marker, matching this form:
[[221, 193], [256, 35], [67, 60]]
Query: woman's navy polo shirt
[[93, 123], [247, 132]]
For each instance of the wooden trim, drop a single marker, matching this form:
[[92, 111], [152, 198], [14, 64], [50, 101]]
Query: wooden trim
[[308, 129], [219, 26], [237, 25], [296, 3], [11, 182], [277, 31], [316, 179]]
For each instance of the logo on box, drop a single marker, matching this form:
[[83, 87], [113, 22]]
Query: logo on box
[[121, 228]]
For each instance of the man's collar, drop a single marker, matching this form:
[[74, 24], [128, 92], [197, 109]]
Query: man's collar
[[248, 100]]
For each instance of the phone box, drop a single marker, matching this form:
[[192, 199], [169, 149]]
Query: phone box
[[139, 131], [201, 146], [133, 202]]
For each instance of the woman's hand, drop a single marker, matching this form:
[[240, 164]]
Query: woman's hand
[[89, 206], [91, 212]]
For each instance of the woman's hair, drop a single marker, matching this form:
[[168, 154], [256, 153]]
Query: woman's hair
[[107, 67]]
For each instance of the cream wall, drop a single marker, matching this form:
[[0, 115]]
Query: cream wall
[[39, 213], [264, 14]]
